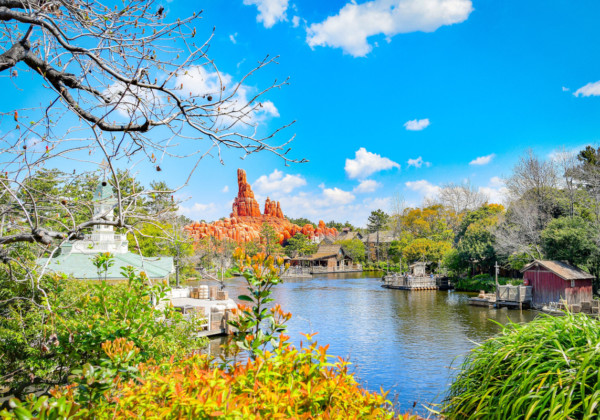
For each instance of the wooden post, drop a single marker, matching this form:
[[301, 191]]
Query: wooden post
[[496, 269]]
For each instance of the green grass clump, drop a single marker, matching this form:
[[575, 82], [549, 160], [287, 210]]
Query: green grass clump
[[547, 369], [482, 282]]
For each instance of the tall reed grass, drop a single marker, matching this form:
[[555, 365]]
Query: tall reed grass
[[547, 369]]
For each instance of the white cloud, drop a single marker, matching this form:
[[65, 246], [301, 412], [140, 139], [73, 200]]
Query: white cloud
[[591, 89], [563, 152], [269, 11], [338, 196], [355, 23], [383, 203], [417, 125], [496, 181], [418, 162], [199, 81], [565, 89], [496, 190], [199, 211], [483, 160], [424, 187], [366, 163], [296, 21], [232, 38], [367, 186], [125, 100], [278, 182], [269, 109], [495, 195], [225, 189], [320, 206]]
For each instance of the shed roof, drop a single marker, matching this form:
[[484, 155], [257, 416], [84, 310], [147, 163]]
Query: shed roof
[[385, 236], [326, 250], [562, 269], [80, 266], [349, 235]]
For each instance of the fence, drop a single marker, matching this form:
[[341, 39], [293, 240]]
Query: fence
[[337, 269], [514, 293]]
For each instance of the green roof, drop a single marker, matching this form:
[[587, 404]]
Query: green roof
[[80, 266], [103, 192]]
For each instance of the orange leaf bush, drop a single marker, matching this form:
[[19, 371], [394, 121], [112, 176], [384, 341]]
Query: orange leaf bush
[[285, 383]]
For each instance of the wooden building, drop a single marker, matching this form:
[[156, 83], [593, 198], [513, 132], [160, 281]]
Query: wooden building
[[347, 234], [555, 281], [329, 258], [377, 244]]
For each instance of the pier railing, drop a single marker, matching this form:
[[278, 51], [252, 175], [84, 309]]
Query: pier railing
[[514, 293], [337, 269], [298, 272], [408, 282]]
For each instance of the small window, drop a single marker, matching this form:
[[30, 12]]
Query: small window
[[572, 283]]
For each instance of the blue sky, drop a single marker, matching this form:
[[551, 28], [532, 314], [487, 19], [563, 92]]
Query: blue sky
[[399, 97]]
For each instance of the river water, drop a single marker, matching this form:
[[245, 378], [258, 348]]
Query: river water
[[409, 343]]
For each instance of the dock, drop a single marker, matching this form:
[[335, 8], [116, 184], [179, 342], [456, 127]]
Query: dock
[[207, 302], [512, 297], [484, 299], [400, 282]]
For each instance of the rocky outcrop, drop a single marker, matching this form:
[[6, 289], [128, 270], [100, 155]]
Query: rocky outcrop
[[244, 204], [246, 221]]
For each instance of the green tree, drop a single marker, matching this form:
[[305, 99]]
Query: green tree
[[301, 221], [475, 239], [300, 245], [476, 247], [341, 226], [426, 250], [354, 248], [269, 239], [570, 239], [378, 220]]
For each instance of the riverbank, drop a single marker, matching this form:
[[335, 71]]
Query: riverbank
[[408, 343]]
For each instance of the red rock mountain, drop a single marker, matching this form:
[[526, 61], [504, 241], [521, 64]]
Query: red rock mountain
[[245, 221]]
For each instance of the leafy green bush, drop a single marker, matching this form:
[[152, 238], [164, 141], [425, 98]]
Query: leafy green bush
[[546, 369], [45, 338], [483, 282]]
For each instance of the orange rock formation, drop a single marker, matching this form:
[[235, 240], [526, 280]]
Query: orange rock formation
[[245, 221]]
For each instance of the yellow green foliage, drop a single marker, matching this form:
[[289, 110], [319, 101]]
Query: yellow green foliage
[[423, 249], [433, 222]]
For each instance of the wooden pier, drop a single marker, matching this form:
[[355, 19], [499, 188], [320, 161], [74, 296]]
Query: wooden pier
[[514, 297], [396, 281], [208, 302], [484, 299]]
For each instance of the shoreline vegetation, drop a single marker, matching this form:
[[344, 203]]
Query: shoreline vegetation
[[110, 110], [277, 379]]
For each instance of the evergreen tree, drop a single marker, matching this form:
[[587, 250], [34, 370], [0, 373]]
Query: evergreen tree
[[378, 220]]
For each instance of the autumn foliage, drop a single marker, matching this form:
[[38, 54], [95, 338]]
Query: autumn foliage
[[286, 383]]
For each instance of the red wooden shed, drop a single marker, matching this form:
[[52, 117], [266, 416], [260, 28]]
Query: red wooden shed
[[555, 281]]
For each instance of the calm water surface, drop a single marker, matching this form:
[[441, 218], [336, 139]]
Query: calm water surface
[[406, 342]]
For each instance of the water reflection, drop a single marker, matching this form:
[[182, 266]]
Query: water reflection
[[403, 341]]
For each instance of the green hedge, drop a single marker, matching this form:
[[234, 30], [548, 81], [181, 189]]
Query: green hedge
[[482, 282]]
